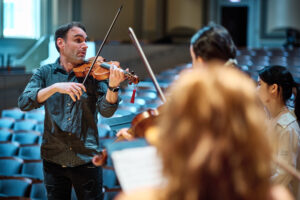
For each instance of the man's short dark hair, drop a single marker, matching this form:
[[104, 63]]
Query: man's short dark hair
[[213, 42], [62, 31]]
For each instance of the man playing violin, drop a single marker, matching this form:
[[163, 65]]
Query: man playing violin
[[70, 138]]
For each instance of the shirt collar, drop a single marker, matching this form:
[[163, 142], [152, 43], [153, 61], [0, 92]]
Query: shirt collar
[[58, 67], [286, 119]]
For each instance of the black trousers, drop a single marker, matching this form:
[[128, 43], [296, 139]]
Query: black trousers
[[86, 180]]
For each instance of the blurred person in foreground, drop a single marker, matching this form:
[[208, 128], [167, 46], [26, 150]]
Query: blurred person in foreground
[[212, 141]]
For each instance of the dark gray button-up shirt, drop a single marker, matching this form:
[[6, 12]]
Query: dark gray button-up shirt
[[70, 128]]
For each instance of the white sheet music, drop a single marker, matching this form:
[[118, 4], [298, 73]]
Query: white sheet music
[[138, 168]]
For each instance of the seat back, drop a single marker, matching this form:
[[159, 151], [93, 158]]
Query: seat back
[[25, 125], [5, 134], [33, 169], [7, 122], [109, 177], [30, 152], [25, 137], [38, 191], [9, 149], [38, 115], [15, 113], [10, 166], [15, 186]]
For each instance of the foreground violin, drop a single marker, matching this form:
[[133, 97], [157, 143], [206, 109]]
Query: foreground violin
[[101, 71]]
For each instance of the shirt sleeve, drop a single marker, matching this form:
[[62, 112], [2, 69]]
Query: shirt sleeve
[[105, 108], [28, 99], [287, 153]]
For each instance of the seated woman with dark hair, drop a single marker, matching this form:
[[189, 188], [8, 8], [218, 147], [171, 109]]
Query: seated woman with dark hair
[[212, 140], [275, 88]]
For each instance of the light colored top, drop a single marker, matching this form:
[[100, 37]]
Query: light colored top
[[286, 144]]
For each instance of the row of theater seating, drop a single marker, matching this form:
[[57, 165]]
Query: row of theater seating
[[15, 166], [14, 187], [267, 60], [278, 51], [22, 137], [30, 152]]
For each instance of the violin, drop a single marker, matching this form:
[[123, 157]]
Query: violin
[[142, 123], [101, 70]]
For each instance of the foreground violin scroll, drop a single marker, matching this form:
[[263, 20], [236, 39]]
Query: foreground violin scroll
[[143, 125], [101, 70]]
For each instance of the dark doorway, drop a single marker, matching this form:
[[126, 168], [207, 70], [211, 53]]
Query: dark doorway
[[235, 19]]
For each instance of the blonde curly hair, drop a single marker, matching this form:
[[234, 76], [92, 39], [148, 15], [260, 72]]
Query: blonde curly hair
[[212, 139]]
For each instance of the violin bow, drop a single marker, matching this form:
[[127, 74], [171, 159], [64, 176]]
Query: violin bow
[[103, 42], [146, 63]]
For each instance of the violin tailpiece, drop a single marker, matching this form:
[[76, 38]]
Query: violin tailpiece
[[133, 95]]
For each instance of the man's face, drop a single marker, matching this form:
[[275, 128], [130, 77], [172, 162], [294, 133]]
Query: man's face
[[74, 46]]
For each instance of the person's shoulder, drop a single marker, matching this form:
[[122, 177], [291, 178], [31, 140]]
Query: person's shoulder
[[286, 119], [280, 193], [47, 68]]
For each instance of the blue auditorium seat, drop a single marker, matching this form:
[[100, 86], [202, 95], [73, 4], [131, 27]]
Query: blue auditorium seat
[[294, 61], [30, 152], [103, 130], [153, 105], [38, 191], [32, 169], [139, 101], [25, 125], [10, 166], [119, 121], [149, 97], [109, 177], [110, 193], [9, 149], [5, 134], [40, 127], [38, 115], [133, 108], [25, 137], [15, 113], [278, 52], [7, 122], [15, 186]]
